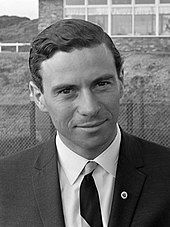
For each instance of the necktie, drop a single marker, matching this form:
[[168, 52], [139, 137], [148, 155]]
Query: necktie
[[89, 199]]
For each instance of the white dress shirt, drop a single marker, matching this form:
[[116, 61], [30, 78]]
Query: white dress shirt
[[70, 168]]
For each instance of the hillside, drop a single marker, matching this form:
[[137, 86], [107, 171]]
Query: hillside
[[17, 29], [14, 77]]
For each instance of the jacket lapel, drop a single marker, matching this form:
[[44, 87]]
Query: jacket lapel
[[47, 187], [130, 180]]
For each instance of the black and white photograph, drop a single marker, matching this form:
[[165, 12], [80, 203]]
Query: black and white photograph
[[84, 113]]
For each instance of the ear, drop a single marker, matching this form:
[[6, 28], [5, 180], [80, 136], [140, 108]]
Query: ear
[[37, 96], [121, 83], [121, 86]]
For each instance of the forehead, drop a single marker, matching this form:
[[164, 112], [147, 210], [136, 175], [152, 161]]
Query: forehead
[[83, 63], [97, 52]]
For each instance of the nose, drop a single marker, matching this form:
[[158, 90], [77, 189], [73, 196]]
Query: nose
[[88, 104]]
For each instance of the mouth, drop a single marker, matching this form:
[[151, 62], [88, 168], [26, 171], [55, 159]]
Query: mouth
[[91, 125]]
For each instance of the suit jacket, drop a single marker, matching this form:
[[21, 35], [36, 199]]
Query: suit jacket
[[30, 191]]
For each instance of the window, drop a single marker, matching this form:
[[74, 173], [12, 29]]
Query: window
[[121, 21], [123, 17], [121, 1], [144, 1], [98, 15], [145, 24], [164, 1], [82, 17], [97, 2], [77, 13], [121, 25], [74, 2], [101, 20], [164, 24]]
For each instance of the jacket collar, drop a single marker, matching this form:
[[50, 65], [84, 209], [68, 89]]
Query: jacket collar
[[131, 149], [129, 179], [47, 186], [46, 152]]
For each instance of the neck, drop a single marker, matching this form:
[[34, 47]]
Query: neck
[[89, 153]]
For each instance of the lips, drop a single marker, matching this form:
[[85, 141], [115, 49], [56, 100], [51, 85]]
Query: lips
[[91, 124]]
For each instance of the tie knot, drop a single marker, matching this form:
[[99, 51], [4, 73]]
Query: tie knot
[[90, 166]]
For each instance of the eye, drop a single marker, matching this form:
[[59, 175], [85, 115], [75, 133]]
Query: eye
[[66, 91], [102, 86], [102, 83]]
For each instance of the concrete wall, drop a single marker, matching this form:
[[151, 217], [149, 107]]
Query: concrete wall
[[49, 12], [143, 45]]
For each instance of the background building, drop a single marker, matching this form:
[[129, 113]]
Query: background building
[[119, 18], [123, 17], [116, 17]]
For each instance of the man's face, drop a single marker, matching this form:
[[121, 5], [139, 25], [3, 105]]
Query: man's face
[[81, 94]]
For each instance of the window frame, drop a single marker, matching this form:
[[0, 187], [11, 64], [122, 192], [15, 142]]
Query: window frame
[[109, 6]]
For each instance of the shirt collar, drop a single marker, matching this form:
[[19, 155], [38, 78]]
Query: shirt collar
[[108, 159], [73, 163]]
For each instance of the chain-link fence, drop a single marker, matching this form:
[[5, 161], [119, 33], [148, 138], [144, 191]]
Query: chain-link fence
[[23, 126], [144, 110]]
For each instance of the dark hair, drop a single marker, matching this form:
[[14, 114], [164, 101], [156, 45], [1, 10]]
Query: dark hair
[[67, 35]]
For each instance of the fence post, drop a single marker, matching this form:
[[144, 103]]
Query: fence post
[[32, 123], [129, 114], [142, 109], [17, 46]]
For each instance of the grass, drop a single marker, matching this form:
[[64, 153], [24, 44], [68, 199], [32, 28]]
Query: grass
[[14, 77], [154, 70], [151, 70]]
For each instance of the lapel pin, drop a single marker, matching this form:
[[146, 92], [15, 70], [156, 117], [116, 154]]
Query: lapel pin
[[124, 195]]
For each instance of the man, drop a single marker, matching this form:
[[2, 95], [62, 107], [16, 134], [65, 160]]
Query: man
[[77, 77]]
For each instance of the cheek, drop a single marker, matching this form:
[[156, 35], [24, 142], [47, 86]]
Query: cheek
[[61, 115], [111, 105], [110, 100]]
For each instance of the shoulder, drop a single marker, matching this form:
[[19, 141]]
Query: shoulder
[[22, 160], [17, 171], [151, 149], [144, 145], [153, 154]]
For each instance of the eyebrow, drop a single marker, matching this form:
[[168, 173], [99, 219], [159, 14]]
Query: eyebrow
[[104, 77], [64, 86]]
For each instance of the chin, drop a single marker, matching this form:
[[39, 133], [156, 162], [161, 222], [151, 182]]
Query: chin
[[93, 142]]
